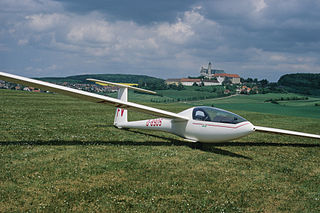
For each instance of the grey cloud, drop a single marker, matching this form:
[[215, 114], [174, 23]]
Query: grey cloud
[[139, 11], [277, 26]]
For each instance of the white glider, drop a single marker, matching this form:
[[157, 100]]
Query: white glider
[[196, 124]]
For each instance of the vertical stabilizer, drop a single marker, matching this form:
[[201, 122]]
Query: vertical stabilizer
[[121, 115]]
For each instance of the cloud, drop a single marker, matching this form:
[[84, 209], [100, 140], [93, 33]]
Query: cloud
[[28, 6], [43, 22], [92, 34], [251, 37], [143, 12]]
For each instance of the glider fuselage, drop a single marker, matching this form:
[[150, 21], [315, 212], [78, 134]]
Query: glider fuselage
[[196, 129]]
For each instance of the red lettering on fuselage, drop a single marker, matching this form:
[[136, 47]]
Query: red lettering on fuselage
[[154, 122]]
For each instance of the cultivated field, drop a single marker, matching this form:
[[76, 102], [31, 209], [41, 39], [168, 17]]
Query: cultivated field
[[256, 103], [63, 154]]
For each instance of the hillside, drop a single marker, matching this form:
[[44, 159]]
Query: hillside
[[304, 83], [143, 80]]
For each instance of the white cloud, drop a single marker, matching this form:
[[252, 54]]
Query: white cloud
[[177, 33], [42, 22], [96, 31], [94, 35], [259, 5]]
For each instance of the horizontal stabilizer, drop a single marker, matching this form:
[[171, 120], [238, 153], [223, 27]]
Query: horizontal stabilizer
[[285, 132], [89, 96], [122, 85]]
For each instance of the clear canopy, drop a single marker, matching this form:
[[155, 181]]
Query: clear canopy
[[212, 114]]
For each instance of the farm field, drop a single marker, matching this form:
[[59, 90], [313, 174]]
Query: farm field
[[172, 95], [63, 154], [252, 103], [256, 103]]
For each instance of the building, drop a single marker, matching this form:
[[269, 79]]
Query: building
[[189, 81], [192, 81], [175, 81], [209, 77], [207, 82], [233, 78], [209, 72]]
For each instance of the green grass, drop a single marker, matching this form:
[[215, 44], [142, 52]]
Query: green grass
[[192, 93], [256, 103], [171, 95], [63, 154]]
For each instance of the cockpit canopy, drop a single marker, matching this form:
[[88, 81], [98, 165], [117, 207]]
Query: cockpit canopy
[[212, 114]]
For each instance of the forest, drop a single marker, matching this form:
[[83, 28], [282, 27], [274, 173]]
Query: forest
[[303, 83]]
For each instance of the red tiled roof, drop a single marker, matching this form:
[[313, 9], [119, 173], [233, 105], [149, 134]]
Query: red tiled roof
[[226, 75]]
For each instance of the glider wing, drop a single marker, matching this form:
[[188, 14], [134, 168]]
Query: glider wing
[[129, 86], [89, 96], [285, 132]]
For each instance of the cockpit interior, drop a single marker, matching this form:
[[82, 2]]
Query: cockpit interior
[[212, 114]]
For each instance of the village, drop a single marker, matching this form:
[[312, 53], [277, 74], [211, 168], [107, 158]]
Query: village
[[208, 77]]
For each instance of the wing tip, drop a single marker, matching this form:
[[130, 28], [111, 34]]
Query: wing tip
[[122, 85]]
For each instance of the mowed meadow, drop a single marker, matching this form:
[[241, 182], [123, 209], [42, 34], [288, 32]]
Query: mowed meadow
[[62, 154]]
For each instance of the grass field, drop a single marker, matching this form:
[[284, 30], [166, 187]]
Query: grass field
[[256, 103], [171, 95], [63, 154]]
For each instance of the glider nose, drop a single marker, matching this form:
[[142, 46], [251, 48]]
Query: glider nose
[[247, 128], [250, 128]]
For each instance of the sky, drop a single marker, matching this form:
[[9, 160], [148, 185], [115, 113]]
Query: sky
[[262, 39]]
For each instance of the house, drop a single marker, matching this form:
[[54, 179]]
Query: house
[[248, 90], [245, 89], [226, 91], [234, 78]]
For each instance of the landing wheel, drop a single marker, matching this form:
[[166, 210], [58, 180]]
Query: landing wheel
[[198, 145]]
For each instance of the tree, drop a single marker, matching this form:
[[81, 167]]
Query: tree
[[264, 82], [249, 80], [180, 86]]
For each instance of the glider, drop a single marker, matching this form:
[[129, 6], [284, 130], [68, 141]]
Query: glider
[[196, 124]]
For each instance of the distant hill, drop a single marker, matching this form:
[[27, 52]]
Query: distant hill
[[144, 81], [304, 83]]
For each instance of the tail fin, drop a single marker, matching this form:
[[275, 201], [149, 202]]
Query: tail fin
[[121, 115]]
